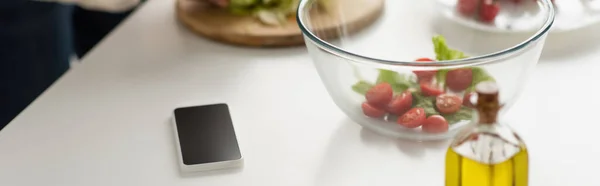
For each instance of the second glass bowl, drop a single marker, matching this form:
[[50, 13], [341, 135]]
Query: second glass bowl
[[388, 55]]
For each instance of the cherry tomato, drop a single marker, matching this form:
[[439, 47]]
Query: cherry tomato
[[435, 124], [488, 11], [413, 118], [448, 104], [459, 79], [422, 75], [467, 7], [424, 59], [467, 99], [429, 89], [380, 95], [474, 137], [401, 103], [371, 111]]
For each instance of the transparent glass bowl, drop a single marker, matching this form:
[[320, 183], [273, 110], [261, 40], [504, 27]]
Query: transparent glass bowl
[[392, 43]]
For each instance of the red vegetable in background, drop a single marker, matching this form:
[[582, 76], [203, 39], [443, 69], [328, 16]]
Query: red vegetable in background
[[425, 76], [488, 11], [413, 118], [467, 7], [401, 103], [371, 111], [429, 89], [435, 124], [448, 104], [459, 79], [380, 95]]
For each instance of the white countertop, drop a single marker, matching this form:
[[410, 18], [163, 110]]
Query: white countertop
[[106, 122]]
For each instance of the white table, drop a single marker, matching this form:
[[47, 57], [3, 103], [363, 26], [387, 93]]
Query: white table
[[106, 122]]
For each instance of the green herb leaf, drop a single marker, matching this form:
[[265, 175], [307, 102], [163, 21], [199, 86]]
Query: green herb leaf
[[398, 82], [465, 113], [440, 76], [242, 11], [243, 3], [479, 75], [443, 52], [387, 76], [427, 103], [362, 87]]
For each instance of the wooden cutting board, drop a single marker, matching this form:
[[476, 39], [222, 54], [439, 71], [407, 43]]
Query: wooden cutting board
[[217, 24]]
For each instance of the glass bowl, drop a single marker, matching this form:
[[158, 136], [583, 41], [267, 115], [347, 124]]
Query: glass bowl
[[384, 55]]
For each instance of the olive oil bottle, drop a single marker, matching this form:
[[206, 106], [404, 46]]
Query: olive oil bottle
[[487, 153]]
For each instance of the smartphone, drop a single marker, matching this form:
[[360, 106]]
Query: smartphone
[[206, 138]]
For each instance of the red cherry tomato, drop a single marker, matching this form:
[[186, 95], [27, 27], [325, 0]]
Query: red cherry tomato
[[413, 118], [429, 89], [488, 11], [401, 103], [425, 76], [435, 124], [371, 111], [467, 99], [467, 7], [424, 59], [459, 79], [380, 95], [448, 104]]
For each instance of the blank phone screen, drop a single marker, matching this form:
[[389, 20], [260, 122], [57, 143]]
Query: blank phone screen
[[206, 134]]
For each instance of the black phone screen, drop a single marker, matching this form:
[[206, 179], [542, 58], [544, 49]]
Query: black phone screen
[[206, 134]]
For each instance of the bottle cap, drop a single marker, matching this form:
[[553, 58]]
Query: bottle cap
[[488, 103]]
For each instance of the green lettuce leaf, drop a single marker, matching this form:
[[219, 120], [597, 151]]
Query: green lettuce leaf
[[440, 77], [270, 12], [465, 113], [399, 83], [243, 3], [427, 103], [240, 10], [362, 87], [479, 75], [443, 52]]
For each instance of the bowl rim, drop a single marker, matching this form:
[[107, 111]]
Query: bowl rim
[[473, 60]]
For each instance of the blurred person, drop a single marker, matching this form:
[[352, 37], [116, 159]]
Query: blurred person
[[90, 26], [36, 45]]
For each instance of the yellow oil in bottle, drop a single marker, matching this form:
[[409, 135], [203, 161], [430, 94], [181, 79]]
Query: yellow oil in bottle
[[487, 153], [464, 171]]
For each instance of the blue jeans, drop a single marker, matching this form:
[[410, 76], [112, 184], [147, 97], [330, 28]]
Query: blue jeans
[[36, 42], [35, 47]]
